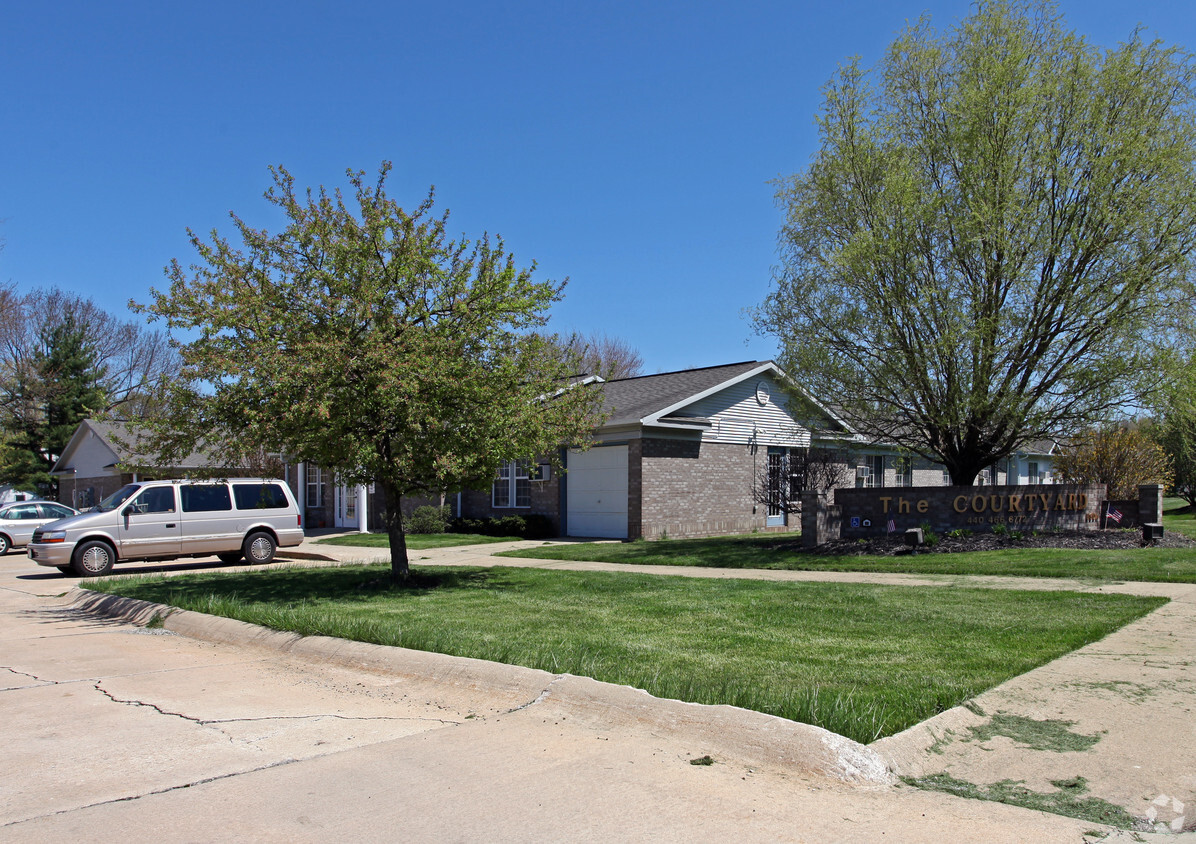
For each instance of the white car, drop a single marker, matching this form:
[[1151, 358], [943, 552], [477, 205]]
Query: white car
[[19, 519], [159, 520]]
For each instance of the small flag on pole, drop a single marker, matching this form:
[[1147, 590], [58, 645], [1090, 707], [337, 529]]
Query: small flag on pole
[[1115, 514], [892, 525]]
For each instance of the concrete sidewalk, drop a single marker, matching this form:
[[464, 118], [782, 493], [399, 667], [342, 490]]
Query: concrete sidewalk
[[146, 735]]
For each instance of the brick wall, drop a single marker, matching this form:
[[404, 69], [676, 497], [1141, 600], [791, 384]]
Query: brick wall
[[545, 501], [691, 488]]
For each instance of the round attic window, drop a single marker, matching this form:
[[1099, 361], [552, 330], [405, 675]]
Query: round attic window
[[762, 393]]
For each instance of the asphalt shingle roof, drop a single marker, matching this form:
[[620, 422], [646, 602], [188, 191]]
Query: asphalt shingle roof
[[628, 400]]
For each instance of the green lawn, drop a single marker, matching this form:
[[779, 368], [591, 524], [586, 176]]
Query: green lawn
[[415, 541], [864, 661], [1178, 516], [780, 551]]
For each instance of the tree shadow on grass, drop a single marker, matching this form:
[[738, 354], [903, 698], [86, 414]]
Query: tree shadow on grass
[[347, 584]]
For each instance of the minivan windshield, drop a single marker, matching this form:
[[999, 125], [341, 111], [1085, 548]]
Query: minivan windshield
[[118, 498]]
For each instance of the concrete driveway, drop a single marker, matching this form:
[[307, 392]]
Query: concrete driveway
[[116, 732]]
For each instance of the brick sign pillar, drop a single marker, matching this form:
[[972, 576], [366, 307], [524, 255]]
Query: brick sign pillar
[[1150, 504], [820, 521]]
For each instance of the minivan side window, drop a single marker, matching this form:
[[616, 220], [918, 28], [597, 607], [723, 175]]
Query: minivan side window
[[259, 496], [198, 498], [158, 499]]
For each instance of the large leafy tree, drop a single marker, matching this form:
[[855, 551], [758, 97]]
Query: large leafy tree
[[368, 340], [1119, 456], [47, 391], [977, 254]]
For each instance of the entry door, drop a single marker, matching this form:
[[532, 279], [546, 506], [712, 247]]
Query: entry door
[[778, 487], [346, 507]]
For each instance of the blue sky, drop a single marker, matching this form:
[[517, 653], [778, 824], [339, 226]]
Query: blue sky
[[629, 146]]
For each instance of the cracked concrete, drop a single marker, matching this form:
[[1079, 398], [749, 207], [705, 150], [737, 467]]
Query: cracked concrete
[[250, 735]]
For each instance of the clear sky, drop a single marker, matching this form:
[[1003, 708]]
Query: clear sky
[[628, 146]]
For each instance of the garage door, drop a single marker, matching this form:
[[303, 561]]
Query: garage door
[[596, 490]]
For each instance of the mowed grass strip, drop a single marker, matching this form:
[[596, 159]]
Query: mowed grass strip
[[773, 551], [415, 541], [864, 661]]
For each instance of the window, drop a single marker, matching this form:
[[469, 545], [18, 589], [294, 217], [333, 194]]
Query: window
[[777, 491], [22, 512], [512, 487], [872, 473], [259, 496], [156, 499], [315, 486], [203, 498], [904, 469], [1032, 472], [56, 511]]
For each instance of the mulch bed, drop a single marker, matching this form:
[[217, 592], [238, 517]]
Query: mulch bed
[[1080, 540]]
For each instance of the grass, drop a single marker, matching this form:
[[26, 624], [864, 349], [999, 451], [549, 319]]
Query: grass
[[1179, 517], [415, 541], [772, 551], [861, 660], [1070, 798]]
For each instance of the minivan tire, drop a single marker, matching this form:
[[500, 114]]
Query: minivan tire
[[93, 559], [229, 557], [259, 548]]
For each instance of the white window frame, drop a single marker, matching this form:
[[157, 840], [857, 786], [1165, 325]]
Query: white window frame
[[316, 483], [512, 489], [875, 464]]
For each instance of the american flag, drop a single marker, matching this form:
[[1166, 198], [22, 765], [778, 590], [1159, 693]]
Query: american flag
[[1115, 514], [892, 525]]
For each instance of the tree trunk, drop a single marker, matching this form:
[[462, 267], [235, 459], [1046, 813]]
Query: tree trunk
[[399, 567]]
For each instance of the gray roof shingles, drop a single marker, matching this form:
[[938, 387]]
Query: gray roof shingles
[[628, 400]]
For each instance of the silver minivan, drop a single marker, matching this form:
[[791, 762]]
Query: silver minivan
[[239, 517]]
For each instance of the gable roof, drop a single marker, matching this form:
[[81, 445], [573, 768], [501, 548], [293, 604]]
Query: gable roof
[[657, 399], [120, 438], [631, 400]]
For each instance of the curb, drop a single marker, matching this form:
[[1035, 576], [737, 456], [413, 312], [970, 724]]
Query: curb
[[750, 737]]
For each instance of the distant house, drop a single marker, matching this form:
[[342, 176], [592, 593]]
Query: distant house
[[703, 452], [99, 459], [697, 452], [9, 494]]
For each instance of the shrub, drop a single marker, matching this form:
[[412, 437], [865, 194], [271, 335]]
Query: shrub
[[428, 519], [529, 526], [929, 537], [959, 533]]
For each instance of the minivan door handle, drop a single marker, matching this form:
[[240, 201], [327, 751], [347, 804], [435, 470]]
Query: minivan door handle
[[172, 524]]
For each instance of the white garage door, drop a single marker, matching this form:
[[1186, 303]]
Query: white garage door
[[596, 492]]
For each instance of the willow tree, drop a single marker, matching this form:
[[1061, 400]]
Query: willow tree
[[367, 340], [977, 254]]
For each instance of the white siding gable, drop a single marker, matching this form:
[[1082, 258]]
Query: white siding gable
[[89, 457], [736, 415]]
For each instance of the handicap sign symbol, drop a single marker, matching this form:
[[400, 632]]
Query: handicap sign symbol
[[855, 521]]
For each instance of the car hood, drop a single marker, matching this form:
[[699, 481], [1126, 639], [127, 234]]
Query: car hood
[[80, 520]]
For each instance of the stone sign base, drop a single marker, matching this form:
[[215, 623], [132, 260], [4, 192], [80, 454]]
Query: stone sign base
[[862, 513]]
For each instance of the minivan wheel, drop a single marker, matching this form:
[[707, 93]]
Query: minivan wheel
[[230, 557], [259, 547], [4, 545], [92, 559]]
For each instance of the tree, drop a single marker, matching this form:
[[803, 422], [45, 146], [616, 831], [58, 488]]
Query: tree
[[1119, 456], [64, 390], [130, 358], [603, 355], [779, 483], [369, 341], [1174, 429], [978, 252]]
